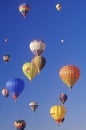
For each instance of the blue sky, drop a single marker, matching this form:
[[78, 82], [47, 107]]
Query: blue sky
[[46, 23]]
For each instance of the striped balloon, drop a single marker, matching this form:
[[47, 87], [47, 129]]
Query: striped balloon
[[69, 75], [38, 62], [58, 112], [24, 9]]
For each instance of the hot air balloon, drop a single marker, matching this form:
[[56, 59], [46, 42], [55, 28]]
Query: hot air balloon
[[63, 97], [29, 70], [58, 112], [6, 58], [58, 7], [62, 41], [20, 124], [24, 9], [6, 40], [15, 87], [5, 92], [33, 105], [38, 62], [69, 74], [37, 47]]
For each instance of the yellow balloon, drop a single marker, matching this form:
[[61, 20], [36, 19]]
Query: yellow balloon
[[29, 70], [39, 62], [58, 112]]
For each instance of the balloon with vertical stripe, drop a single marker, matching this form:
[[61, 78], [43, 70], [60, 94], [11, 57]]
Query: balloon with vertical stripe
[[39, 62], [24, 8], [69, 74], [58, 112]]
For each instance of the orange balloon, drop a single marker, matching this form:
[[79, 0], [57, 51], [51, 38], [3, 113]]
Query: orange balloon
[[69, 75]]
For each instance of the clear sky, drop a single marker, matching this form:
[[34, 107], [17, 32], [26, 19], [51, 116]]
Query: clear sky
[[46, 23]]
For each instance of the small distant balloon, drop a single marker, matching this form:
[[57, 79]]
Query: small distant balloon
[[62, 41], [5, 92], [6, 40], [63, 97], [33, 105], [58, 7], [6, 58], [24, 8]]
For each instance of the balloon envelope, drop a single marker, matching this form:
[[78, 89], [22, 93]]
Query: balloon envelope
[[5, 92], [69, 75], [63, 97], [37, 47], [38, 62], [33, 105], [15, 87], [58, 112], [24, 9], [20, 124], [6, 40], [6, 58], [29, 70], [58, 7], [62, 41]]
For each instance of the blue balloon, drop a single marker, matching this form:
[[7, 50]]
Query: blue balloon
[[63, 97], [15, 86]]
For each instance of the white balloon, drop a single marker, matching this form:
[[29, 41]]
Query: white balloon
[[37, 47]]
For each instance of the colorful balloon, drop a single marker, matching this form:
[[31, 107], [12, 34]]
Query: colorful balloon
[[37, 47], [6, 58], [69, 74], [5, 92], [38, 62], [20, 124], [58, 112], [33, 105], [24, 9], [29, 70], [58, 7], [15, 87], [63, 97]]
